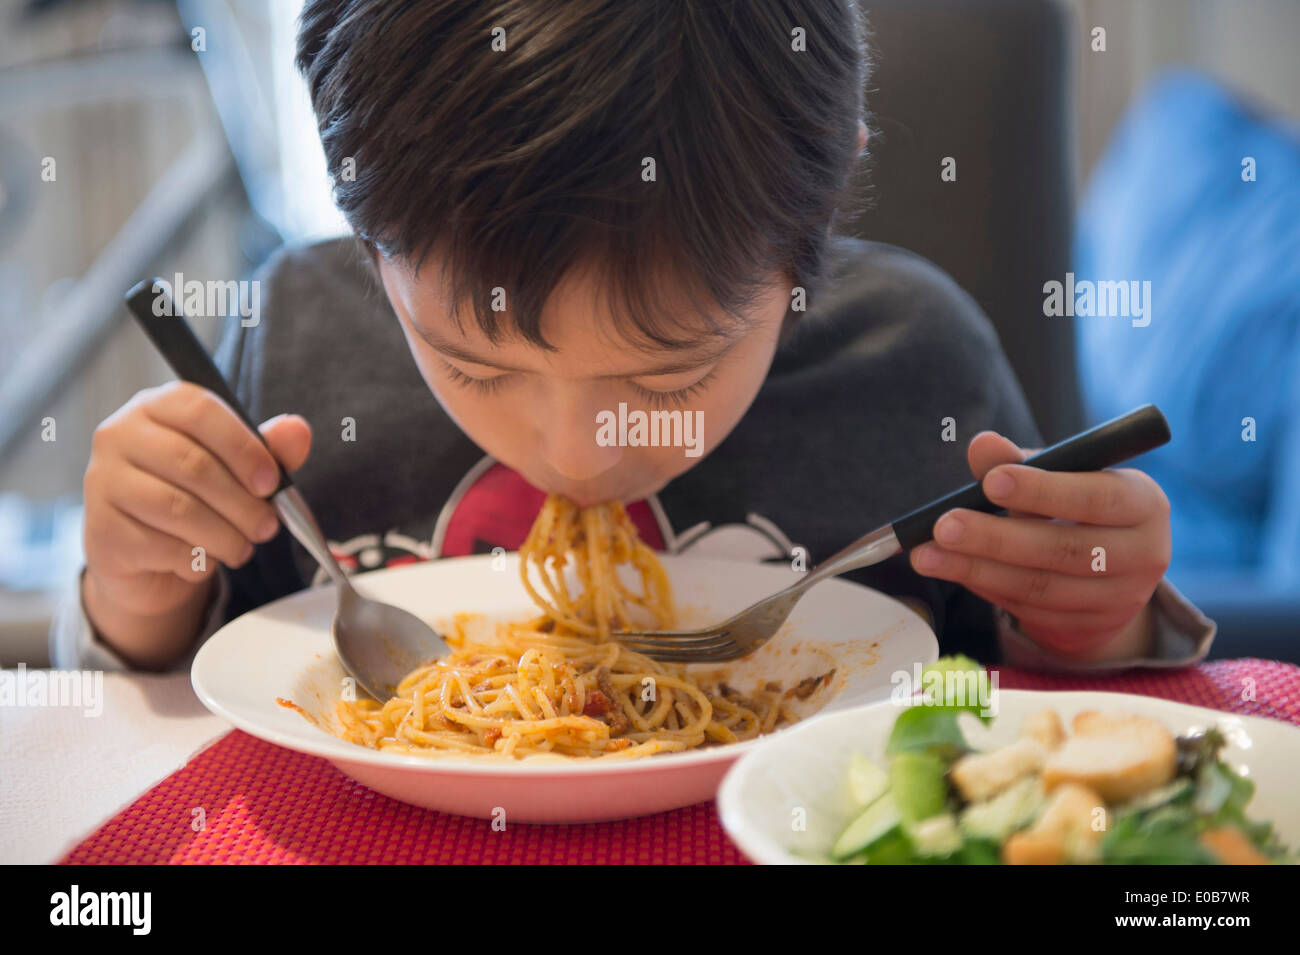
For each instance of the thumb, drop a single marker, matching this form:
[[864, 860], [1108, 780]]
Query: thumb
[[289, 437], [988, 449]]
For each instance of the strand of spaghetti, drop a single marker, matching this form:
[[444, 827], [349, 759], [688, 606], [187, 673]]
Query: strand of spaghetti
[[539, 537], [688, 688], [597, 532], [556, 603]]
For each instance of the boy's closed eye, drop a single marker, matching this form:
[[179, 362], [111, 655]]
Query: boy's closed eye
[[657, 392], [659, 395]]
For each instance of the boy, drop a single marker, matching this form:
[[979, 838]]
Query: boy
[[567, 211]]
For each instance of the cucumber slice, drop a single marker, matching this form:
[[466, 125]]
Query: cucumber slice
[[919, 784], [936, 837], [867, 781], [875, 822], [1007, 812]]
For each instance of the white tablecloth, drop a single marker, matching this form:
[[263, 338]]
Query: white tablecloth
[[63, 773]]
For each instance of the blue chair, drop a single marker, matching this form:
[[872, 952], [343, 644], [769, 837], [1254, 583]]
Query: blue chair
[[1199, 195]]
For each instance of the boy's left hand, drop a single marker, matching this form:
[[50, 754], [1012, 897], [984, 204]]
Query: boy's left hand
[[1041, 561]]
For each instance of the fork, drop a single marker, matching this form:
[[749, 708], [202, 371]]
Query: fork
[[1097, 448]]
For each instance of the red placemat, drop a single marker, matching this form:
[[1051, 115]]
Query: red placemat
[[262, 803], [1247, 686]]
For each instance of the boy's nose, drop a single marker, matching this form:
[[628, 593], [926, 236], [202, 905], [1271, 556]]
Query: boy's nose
[[569, 443], [575, 455]]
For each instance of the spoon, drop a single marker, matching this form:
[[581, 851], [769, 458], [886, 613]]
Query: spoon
[[377, 643]]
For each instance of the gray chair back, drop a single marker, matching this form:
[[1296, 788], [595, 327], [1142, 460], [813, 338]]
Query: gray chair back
[[988, 84]]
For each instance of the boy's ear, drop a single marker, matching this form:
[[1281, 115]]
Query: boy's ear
[[791, 319], [862, 137], [370, 257]]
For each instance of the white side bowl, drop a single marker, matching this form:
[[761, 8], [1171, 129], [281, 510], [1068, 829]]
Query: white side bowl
[[799, 777]]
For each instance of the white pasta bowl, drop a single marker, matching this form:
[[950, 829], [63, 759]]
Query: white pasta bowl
[[284, 651], [786, 801]]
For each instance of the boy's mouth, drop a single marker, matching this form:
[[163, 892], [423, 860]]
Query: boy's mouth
[[589, 497]]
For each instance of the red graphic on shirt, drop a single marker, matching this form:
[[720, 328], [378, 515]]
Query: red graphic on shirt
[[498, 510]]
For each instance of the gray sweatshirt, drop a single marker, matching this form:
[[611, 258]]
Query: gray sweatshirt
[[846, 434]]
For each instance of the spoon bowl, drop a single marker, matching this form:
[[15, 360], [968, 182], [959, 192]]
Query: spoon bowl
[[379, 644]]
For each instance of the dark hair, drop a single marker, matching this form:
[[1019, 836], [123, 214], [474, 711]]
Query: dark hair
[[516, 166]]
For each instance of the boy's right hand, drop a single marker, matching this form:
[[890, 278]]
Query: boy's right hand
[[171, 470]]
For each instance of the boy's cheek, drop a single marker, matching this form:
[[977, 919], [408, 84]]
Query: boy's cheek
[[457, 408]]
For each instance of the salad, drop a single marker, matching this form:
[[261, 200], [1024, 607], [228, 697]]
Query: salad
[[1115, 789]]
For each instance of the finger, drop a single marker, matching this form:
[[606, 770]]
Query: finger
[[208, 420], [1122, 497], [175, 511], [988, 449], [289, 436], [179, 460], [1078, 550], [139, 548], [1061, 631], [1040, 588]]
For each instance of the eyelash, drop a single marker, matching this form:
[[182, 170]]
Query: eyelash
[[663, 399], [484, 386], [656, 399]]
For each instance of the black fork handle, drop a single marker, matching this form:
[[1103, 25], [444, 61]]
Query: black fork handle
[[165, 324], [1097, 448]]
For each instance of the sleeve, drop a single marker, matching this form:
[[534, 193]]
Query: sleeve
[[1182, 638], [74, 644]]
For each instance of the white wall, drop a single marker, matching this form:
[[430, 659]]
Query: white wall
[[1249, 44]]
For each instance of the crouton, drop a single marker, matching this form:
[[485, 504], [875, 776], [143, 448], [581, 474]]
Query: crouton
[[1070, 809], [1044, 726], [1120, 757], [1033, 848], [1232, 847], [1063, 832], [982, 775], [1096, 723]]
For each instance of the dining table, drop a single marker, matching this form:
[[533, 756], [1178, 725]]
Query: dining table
[[154, 778]]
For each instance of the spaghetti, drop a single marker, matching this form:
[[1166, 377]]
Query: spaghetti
[[558, 684]]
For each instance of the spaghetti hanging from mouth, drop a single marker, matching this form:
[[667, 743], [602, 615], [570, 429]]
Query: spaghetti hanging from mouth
[[599, 540], [559, 684]]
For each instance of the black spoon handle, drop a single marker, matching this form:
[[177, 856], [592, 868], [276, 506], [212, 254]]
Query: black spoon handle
[[165, 324], [1097, 448]]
